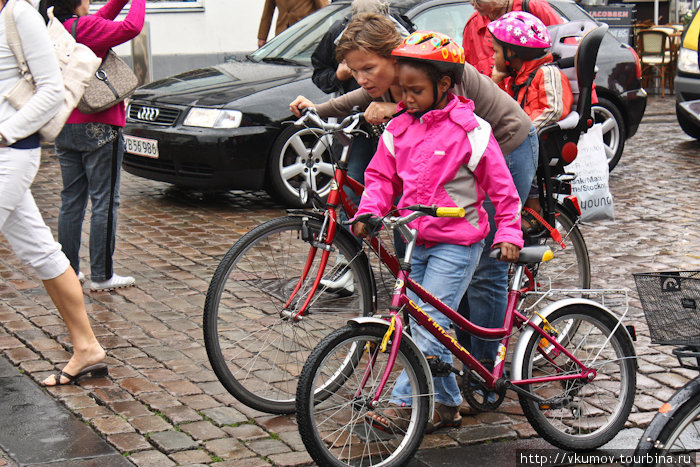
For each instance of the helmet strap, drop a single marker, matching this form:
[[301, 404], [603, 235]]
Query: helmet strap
[[436, 100], [508, 58]]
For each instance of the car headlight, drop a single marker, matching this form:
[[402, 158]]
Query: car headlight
[[213, 118], [688, 61]]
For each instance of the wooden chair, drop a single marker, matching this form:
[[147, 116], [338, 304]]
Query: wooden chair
[[655, 55]]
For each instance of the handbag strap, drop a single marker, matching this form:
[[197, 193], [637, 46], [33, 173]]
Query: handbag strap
[[74, 33], [74, 28], [13, 39]]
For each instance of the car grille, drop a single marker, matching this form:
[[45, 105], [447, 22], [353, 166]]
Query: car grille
[[166, 167], [152, 114]]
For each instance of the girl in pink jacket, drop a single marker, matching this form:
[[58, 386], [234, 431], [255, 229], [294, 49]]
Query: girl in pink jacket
[[439, 153]]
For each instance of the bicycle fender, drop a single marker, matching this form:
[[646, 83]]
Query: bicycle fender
[[304, 212], [658, 423], [524, 338], [363, 320]]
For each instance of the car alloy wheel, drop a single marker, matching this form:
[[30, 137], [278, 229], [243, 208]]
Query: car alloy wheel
[[300, 155], [606, 113]]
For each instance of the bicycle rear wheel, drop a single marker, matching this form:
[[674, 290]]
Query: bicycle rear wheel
[[255, 348], [580, 415], [332, 411]]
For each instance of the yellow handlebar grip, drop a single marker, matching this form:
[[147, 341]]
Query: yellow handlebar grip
[[450, 212]]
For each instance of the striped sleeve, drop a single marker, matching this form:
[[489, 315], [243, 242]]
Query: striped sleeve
[[550, 97]]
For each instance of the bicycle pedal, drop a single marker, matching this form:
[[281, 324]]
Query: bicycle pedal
[[556, 403], [438, 368]]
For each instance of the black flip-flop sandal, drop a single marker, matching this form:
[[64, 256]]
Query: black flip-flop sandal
[[95, 371]]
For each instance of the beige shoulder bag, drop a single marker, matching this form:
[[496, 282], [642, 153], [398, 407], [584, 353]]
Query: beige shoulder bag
[[77, 62]]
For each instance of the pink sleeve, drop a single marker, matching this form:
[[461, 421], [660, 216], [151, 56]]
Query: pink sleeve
[[494, 178], [101, 34], [111, 9], [382, 183]]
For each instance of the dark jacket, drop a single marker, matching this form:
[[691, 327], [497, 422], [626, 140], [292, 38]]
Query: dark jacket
[[325, 64]]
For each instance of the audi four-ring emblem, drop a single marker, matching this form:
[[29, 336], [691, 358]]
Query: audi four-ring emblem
[[148, 114]]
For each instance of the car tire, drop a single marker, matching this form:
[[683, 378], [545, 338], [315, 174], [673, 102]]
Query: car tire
[[299, 154], [614, 132], [687, 124]]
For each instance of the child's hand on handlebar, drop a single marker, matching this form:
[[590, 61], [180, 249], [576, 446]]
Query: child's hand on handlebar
[[360, 230], [299, 104], [509, 252]]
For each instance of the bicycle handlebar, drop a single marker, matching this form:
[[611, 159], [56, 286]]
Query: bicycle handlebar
[[418, 211], [348, 124]]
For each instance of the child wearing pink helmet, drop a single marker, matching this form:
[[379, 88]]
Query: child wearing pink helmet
[[524, 69]]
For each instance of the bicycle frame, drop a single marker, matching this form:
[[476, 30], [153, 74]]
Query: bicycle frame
[[401, 302], [337, 197]]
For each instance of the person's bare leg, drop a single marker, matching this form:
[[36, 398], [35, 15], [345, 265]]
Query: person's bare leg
[[67, 295]]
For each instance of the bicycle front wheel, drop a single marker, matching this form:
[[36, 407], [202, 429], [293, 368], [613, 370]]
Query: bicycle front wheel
[[254, 345], [333, 411], [576, 414]]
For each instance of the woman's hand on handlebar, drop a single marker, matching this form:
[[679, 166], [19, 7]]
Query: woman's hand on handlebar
[[299, 104], [379, 112], [509, 252]]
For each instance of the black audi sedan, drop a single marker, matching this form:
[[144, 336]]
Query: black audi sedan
[[222, 127]]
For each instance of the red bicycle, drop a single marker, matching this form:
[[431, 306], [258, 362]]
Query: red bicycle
[[290, 281]]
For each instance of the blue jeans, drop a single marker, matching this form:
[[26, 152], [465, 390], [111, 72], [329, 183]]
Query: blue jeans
[[91, 156], [361, 152], [487, 297], [443, 271]]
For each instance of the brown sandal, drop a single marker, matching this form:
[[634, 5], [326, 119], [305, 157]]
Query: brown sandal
[[530, 225], [444, 416], [393, 420]]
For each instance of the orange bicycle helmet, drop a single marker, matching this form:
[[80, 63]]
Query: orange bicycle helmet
[[436, 48]]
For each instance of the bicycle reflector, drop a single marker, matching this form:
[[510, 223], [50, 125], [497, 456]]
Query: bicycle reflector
[[449, 212], [569, 152], [547, 255], [572, 202]]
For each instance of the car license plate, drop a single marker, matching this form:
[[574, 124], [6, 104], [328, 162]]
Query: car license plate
[[141, 146]]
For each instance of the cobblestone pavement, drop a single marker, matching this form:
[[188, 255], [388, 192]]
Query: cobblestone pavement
[[162, 405]]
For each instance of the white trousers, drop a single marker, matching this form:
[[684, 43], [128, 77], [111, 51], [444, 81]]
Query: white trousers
[[20, 220]]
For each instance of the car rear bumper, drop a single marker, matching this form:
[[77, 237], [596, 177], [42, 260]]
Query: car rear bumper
[[635, 101], [202, 158]]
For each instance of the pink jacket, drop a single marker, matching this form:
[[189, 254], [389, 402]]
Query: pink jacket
[[448, 158], [100, 32]]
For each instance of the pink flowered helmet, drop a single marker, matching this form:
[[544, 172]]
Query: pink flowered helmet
[[525, 34]]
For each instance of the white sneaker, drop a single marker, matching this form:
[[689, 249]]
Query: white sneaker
[[81, 277], [341, 281], [115, 282]]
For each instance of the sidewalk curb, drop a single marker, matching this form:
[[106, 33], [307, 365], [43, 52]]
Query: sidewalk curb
[[37, 430]]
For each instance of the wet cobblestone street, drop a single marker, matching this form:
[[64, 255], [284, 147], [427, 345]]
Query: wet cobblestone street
[[162, 405]]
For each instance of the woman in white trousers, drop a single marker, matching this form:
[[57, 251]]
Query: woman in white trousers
[[20, 220]]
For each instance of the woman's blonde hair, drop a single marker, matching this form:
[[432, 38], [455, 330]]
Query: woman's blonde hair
[[369, 32]]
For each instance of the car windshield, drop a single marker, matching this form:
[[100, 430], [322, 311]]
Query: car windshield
[[298, 42], [572, 12]]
